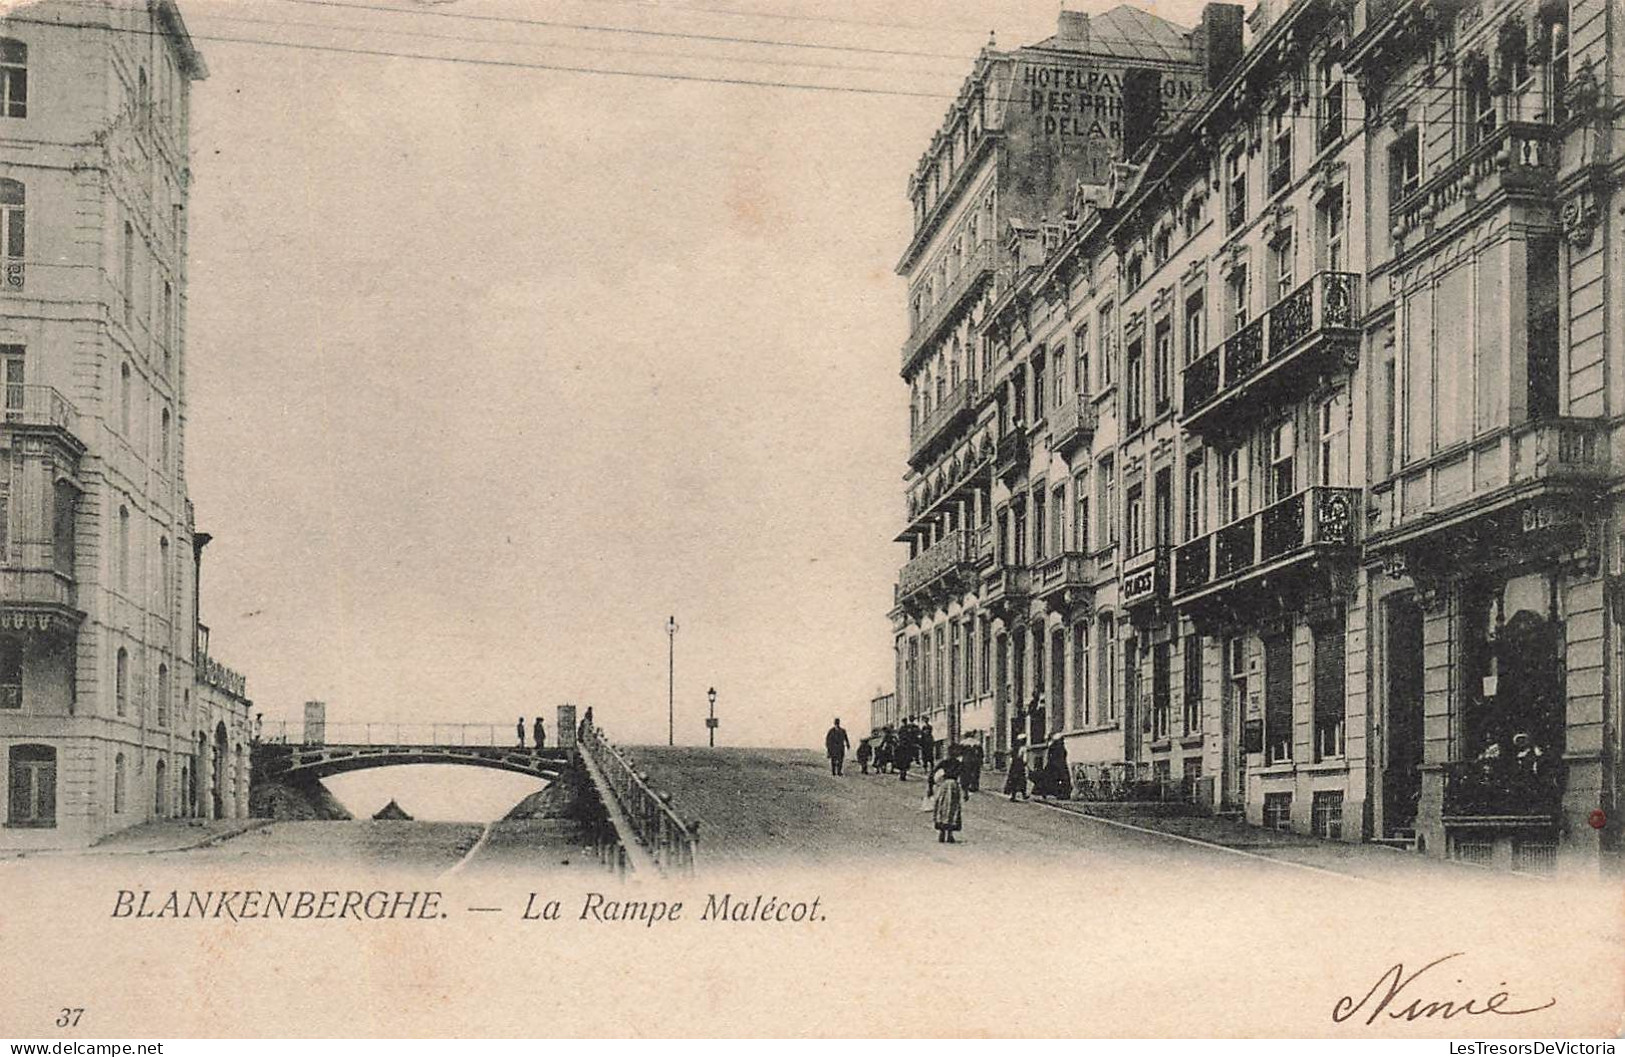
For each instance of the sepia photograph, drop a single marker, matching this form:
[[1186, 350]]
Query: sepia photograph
[[776, 519]]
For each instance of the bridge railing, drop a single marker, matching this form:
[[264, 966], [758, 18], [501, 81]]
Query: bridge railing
[[673, 842], [386, 733]]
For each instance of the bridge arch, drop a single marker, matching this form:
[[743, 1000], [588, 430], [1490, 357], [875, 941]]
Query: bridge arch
[[283, 762]]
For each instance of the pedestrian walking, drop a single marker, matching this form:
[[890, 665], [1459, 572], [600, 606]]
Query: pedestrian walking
[[521, 731], [886, 754], [947, 810], [540, 735], [928, 746], [865, 754], [907, 748], [1057, 776], [835, 744], [1015, 779], [970, 769]]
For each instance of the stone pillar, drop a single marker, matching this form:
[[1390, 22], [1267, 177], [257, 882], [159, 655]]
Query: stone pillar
[[565, 730]]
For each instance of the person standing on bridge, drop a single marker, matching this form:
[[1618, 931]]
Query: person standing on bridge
[[540, 735], [521, 729], [835, 744]]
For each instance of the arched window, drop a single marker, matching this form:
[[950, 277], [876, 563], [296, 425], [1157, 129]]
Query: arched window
[[118, 784], [163, 695], [160, 792], [122, 553], [163, 441], [121, 682], [127, 279], [13, 78], [163, 576], [13, 233], [125, 385], [31, 786]]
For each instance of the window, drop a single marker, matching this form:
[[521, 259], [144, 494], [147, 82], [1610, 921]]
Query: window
[[1039, 538], [31, 788], [1404, 166], [1081, 370], [1134, 272], [1108, 499], [1108, 351], [163, 440], [1193, 216], [127, 275], [166, 332], [1018, 387], [1195, 497], [1329, 230], [1282, 481], [1477, 100], [1080, 512], [1160, 247], [1543, 328], [1557, 33], [1080, 675], [1278, 699], [1235, 189], [1162, 691], [1280, 151], [1039, 393], [1057, 521], [1134, 382], [1278, 811], [11, 674], [1058, 373], [1281, 260], [13, 364], [13, 78], [1333, 464], [118, 784], [1191, 720], [163, 695], [987, 656], [126, 394], [1329, 690], [1108, 669], [1019, 506], [64, 543], [122, 553], [1233, 495], [1162, 382], [1326, 814], [1134, 518], [1331, 103], [1195, 329], [1235, 286], [13, 233], [163, 576], [121, 682]]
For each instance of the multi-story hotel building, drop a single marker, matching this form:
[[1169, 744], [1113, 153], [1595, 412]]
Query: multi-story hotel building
[[101, 724], [1284, 479]]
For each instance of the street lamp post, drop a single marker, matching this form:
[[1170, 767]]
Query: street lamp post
[[671, 680], [711, 720]]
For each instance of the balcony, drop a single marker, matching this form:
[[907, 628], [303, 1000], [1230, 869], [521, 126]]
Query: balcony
[[976, 269], [42, 407], [37, 592], [1006, 589], [940, 571], [1499, 793], [1270, 551], [1520, 489], [955, 408], [1518, 159], [1065, 580], [1073, 425], [1277, 358], [1145, 578], [1011, 454]]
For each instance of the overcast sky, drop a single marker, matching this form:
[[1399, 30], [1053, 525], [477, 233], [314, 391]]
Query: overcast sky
[[492, 369]]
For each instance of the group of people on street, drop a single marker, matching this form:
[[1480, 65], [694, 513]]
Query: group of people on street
[[539, 733], [898, 750], [1052, 781]]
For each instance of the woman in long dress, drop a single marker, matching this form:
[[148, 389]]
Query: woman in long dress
[[947, 811]]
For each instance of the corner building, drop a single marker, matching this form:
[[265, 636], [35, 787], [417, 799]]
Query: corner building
[[1286, 486], [100, 725]]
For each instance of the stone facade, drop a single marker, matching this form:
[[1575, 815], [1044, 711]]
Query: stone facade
[[1287, 489]]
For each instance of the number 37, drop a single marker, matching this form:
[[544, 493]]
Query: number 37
[[69, 1018]]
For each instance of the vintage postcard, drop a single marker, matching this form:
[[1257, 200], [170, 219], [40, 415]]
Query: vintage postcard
[[772, 518]]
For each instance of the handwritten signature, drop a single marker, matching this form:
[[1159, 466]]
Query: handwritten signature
[[1422, 1008]]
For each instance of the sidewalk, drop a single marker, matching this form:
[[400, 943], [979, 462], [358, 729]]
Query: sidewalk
[[1372, 862], [157, 838]]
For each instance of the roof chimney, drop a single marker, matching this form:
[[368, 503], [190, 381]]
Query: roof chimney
[[1073, 28], [1218, 41]]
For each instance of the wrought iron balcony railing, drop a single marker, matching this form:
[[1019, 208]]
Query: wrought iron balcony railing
[[948, 561], [955, 405], [976, 268], [40, 405], [1073, 424], [1318, 516]]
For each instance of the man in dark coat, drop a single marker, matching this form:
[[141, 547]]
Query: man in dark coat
[[970, 769], [1057, 776], [928, 746], [1015, 779], [539, 735], [907, 748], [835, 744], [521, 730]]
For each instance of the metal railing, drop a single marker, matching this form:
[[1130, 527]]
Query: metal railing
[[672, 842], [977, 266], [956, 549], [285, 732], [40, 405]]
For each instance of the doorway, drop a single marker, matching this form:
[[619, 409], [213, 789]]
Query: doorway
[[1402, 769]]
